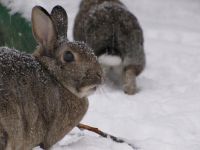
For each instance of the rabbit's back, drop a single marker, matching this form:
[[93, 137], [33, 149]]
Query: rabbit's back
[[19, 73], [15, 64]]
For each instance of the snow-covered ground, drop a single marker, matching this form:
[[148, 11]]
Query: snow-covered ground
[[165, 113]]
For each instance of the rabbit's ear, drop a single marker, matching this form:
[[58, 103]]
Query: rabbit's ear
[[43, 30], [60, 20]]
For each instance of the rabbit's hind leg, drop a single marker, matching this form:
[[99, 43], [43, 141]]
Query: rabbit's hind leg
[[3, 139], [129, 80]]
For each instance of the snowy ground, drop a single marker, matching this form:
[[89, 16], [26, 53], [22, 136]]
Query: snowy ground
[[165, 113]]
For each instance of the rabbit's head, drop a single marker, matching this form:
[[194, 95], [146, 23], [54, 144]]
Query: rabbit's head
[[72, 64]]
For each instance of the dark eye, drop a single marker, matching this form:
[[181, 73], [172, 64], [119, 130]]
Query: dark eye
[[68, 56]]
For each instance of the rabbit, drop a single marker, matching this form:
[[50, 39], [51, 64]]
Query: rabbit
[[116, 37], [44, 95]]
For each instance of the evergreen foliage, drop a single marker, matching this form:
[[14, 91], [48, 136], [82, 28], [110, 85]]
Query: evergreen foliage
[[15, 31]]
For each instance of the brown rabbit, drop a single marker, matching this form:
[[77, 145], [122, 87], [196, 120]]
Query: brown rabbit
[[116, 37], [42, 97]]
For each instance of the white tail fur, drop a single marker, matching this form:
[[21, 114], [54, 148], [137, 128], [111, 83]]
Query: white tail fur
[[109, 60]]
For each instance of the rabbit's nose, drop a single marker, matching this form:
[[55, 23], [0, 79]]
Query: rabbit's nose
[[96, 76]]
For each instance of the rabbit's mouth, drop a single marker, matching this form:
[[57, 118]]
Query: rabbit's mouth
[[83, 91], [87, 90]]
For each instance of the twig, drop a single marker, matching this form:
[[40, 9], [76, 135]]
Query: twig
[[105, 135]]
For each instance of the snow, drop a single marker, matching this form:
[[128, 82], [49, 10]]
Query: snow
[[164, 114]]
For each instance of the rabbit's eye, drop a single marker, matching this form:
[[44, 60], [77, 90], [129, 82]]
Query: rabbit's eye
[[68, 56]]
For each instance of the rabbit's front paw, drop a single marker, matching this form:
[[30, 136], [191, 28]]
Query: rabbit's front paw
[[129, 89]]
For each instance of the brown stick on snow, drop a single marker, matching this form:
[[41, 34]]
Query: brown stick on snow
[[105, 135]]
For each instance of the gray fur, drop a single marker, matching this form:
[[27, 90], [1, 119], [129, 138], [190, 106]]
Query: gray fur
[[109, 28], [40, 98]]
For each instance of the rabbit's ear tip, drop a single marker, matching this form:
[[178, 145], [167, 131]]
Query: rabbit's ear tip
[[58, 8], [37, 7], [40, 8]]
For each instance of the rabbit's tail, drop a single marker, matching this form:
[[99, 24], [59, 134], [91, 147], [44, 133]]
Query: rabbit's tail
[[109, 60]]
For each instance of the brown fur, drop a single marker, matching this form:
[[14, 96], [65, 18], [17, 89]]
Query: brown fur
[[42, 98]]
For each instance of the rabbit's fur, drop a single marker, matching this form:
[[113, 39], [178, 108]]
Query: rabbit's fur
[[111, 30], [42, 97]]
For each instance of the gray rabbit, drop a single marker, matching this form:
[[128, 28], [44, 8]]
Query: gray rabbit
[[116, 37], [43, 96]]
